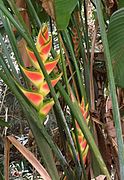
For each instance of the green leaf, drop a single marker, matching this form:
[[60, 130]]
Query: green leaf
[[1, 176], [63, 10], [121, 3], [33, 116], [116, 45], [3, 123]]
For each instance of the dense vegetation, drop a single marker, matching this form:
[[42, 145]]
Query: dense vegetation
[[67, 62]]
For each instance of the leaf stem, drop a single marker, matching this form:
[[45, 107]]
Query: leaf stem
[[25, 34], [116, 114], [85, 129]]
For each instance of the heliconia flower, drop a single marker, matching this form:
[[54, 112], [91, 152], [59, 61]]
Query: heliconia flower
[[33, 58], [45, 50], [82, 141], [84, 147], [43, 36], [50, 65], [84, 110], [85, 153], [35, 98], [35, 77], [44, 88], [46, 107], [44, 43]]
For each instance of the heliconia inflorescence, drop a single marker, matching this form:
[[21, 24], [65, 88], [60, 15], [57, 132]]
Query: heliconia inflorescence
[[84, 147], [81, 139], [38, 97]]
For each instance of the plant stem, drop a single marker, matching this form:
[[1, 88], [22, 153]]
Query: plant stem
[[80, 81], [86, 30], [8, 57], [85, 129], [25, 34], [33, 12], [44, 148], [83, 53], [116, 114], [63, 65], [79, 150], [85, 62]]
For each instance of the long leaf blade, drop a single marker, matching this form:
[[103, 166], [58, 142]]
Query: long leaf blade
[[116, 45], [63, 10], [30, 157]]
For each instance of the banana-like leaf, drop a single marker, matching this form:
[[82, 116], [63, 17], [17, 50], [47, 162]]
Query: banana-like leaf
[[63, 10], [116, 45], [120, 3]]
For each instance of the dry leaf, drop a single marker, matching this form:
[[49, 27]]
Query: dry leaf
[[111, 6], [7, 157], [48, 6], [109, 119], [30, 157], [21, 5], [100, 177], [21, 46]]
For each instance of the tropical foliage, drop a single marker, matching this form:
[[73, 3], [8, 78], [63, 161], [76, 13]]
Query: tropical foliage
[[63, 67]]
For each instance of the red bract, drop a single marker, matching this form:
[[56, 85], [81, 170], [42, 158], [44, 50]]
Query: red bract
[[44, 88], [32, 58], [43, 45], [35, 98], [45, 50], [82, 141], [46, 107], [34, 76], [50, 65], [43, 36]]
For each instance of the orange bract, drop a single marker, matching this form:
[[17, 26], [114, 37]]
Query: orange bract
[[43, 45], [35, 98], [84, 147]]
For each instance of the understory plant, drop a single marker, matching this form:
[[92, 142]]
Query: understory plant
[[66, 76]]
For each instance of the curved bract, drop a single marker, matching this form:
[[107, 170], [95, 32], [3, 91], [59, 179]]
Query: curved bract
[[84, 147], [38, 97]]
